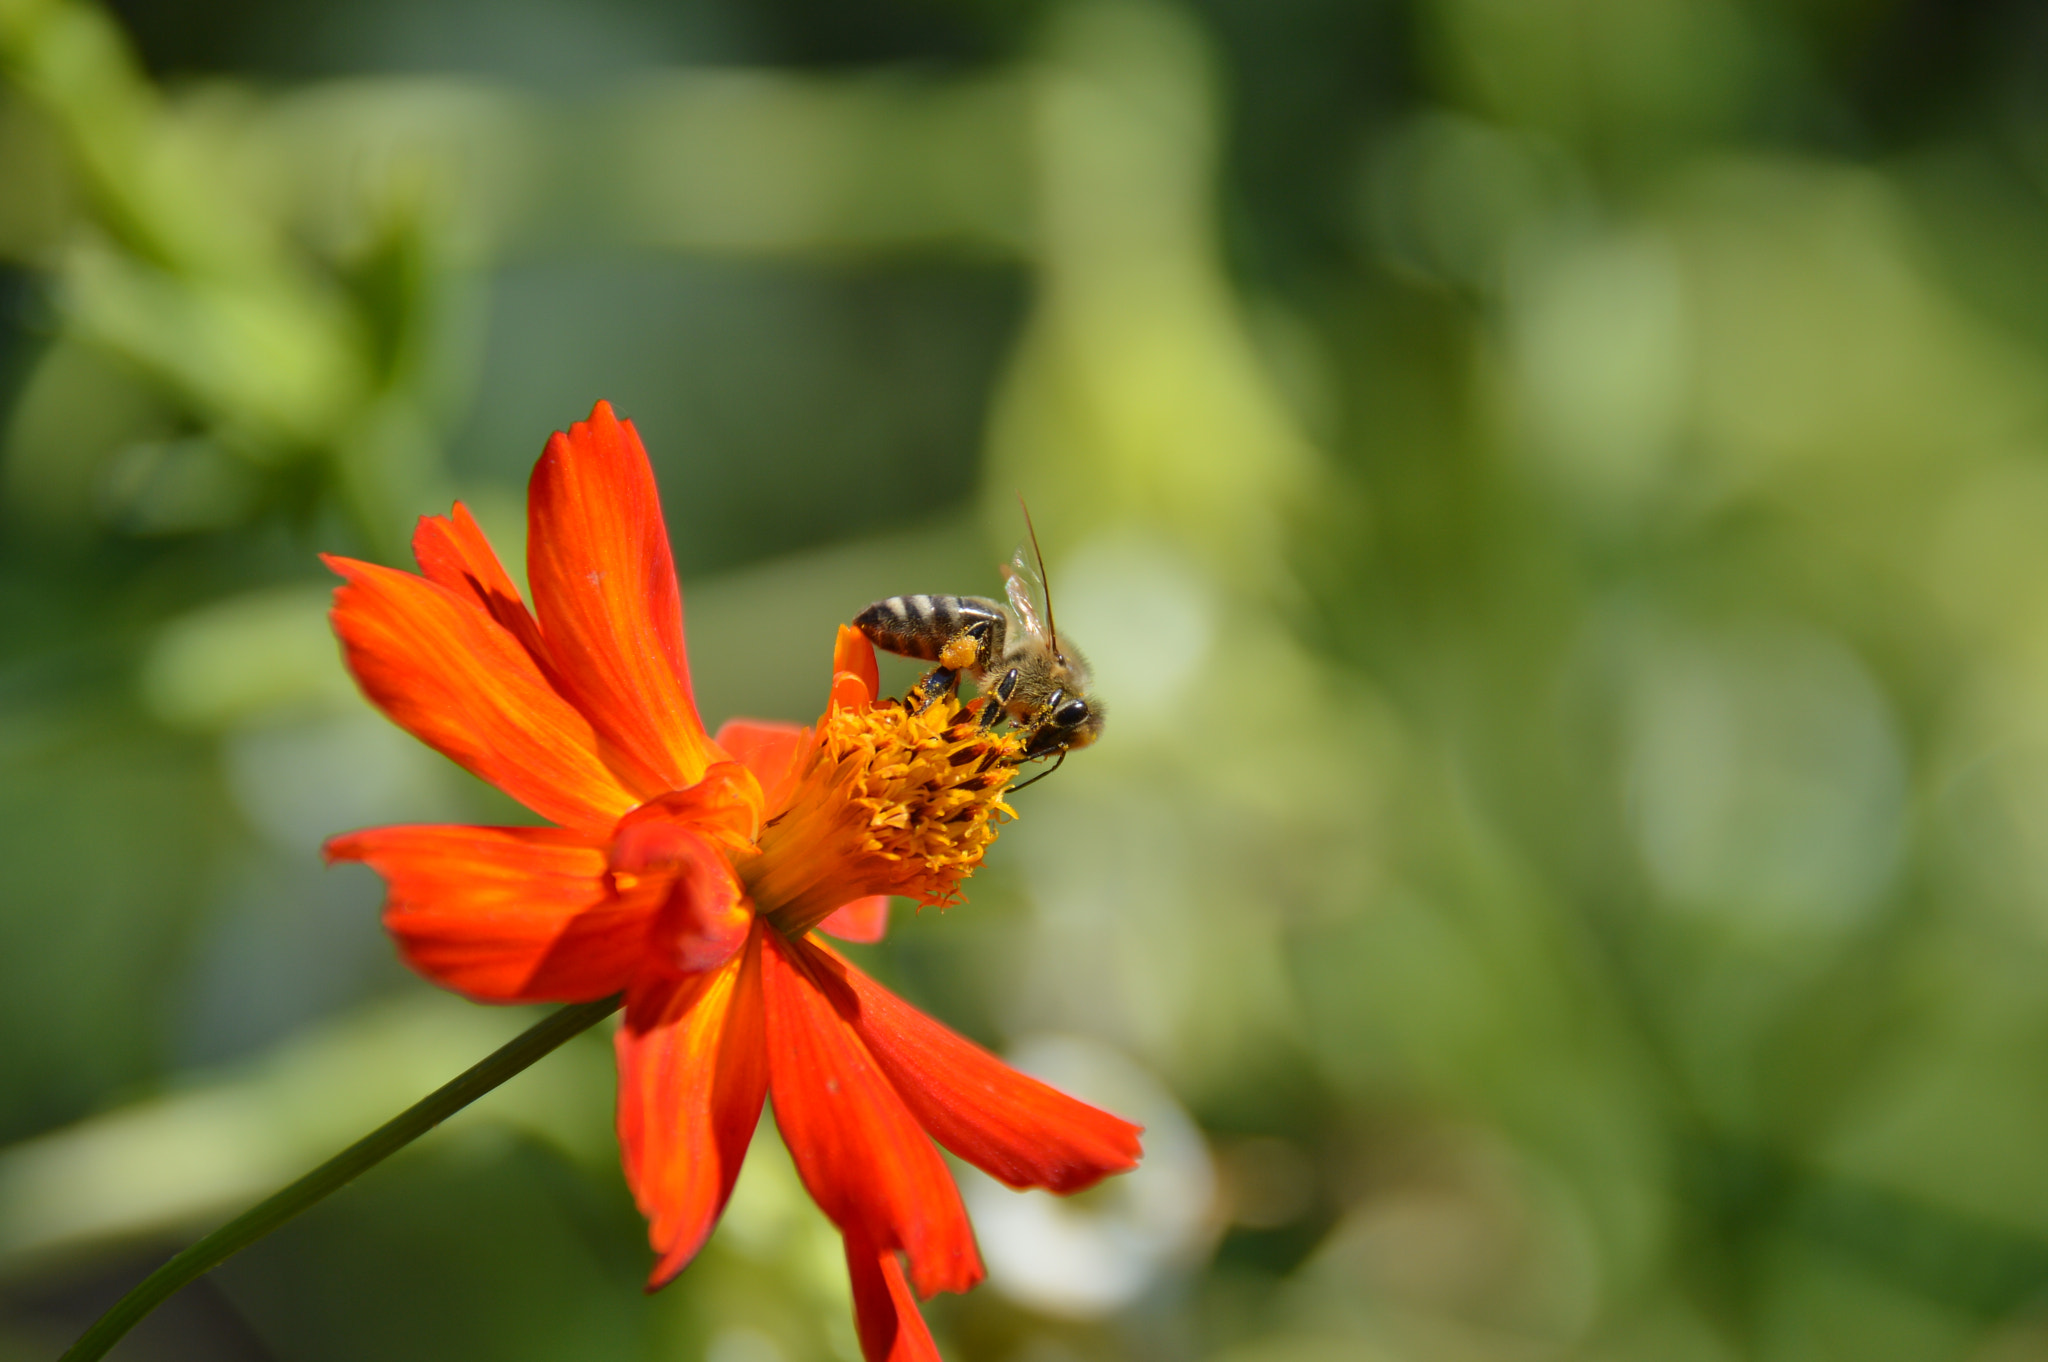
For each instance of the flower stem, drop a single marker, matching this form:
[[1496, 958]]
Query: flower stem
[[529, 1046]]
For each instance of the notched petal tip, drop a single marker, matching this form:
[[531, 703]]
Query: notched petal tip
[[605, 592], [443, 669], [692, 1082], [885, 1315], [858, 1150], [1018, 1130], [453, 551]]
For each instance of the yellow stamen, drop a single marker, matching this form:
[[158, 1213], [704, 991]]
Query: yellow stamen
[[889, 802]]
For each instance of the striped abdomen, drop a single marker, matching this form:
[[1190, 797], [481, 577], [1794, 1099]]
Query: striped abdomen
[[921, 626]]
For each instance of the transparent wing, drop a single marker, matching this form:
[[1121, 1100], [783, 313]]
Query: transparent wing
[[1017, 578]]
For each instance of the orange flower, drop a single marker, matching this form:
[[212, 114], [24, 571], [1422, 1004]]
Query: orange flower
[[689, 872]]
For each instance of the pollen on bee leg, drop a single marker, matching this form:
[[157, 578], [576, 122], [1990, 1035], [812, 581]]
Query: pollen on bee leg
[[959, 653], [889, 801]]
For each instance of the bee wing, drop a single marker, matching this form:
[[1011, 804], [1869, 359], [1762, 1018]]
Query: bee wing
[[1016, 583]]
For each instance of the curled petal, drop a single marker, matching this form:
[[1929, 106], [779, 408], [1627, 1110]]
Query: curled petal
[[866, 1163], [454, 678], [856, 680], [505, 915], [884, 1313], [705, 914], [725, 806], [863, 920], [771, 751], [692, 1079], [604, 587], [453, 552], [1014, 1128]]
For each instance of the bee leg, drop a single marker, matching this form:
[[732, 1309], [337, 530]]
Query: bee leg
[[984, 635], [959, 653], [934, 683], [992, 709], [1057, 763], [965, 650]]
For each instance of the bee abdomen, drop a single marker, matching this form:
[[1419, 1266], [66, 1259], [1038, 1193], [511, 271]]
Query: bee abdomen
[[921, 626]]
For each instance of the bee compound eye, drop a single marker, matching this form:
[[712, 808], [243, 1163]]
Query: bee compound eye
[[1072, 714]]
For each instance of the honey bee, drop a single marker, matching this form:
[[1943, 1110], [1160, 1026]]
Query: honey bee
[[1014, 658]]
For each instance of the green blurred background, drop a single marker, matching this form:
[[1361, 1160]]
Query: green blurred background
[[1556, 492]]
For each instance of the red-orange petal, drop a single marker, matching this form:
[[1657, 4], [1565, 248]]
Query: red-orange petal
[[864, 920], [725, 806], [884, 1313], [869, 1167], [692, 1078], [452, 551], [505, 915], [604, 587], [451, 676], [1014, 1128], [856, 680], [770, 750], [705, 913]]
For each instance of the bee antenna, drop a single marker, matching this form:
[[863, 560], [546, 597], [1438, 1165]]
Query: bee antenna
[[1042, 774], [1052, 628]]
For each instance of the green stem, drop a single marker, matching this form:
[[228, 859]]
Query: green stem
[[401, 1130]]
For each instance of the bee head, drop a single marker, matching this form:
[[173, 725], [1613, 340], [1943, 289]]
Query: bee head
[[1072, 722]]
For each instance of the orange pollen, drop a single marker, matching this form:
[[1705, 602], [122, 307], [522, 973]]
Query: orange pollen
[[889, 802]]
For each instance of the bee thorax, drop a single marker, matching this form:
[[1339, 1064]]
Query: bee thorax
[[1025, 672]]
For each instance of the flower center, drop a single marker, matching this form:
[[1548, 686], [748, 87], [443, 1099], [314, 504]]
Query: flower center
[[889, 802]]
